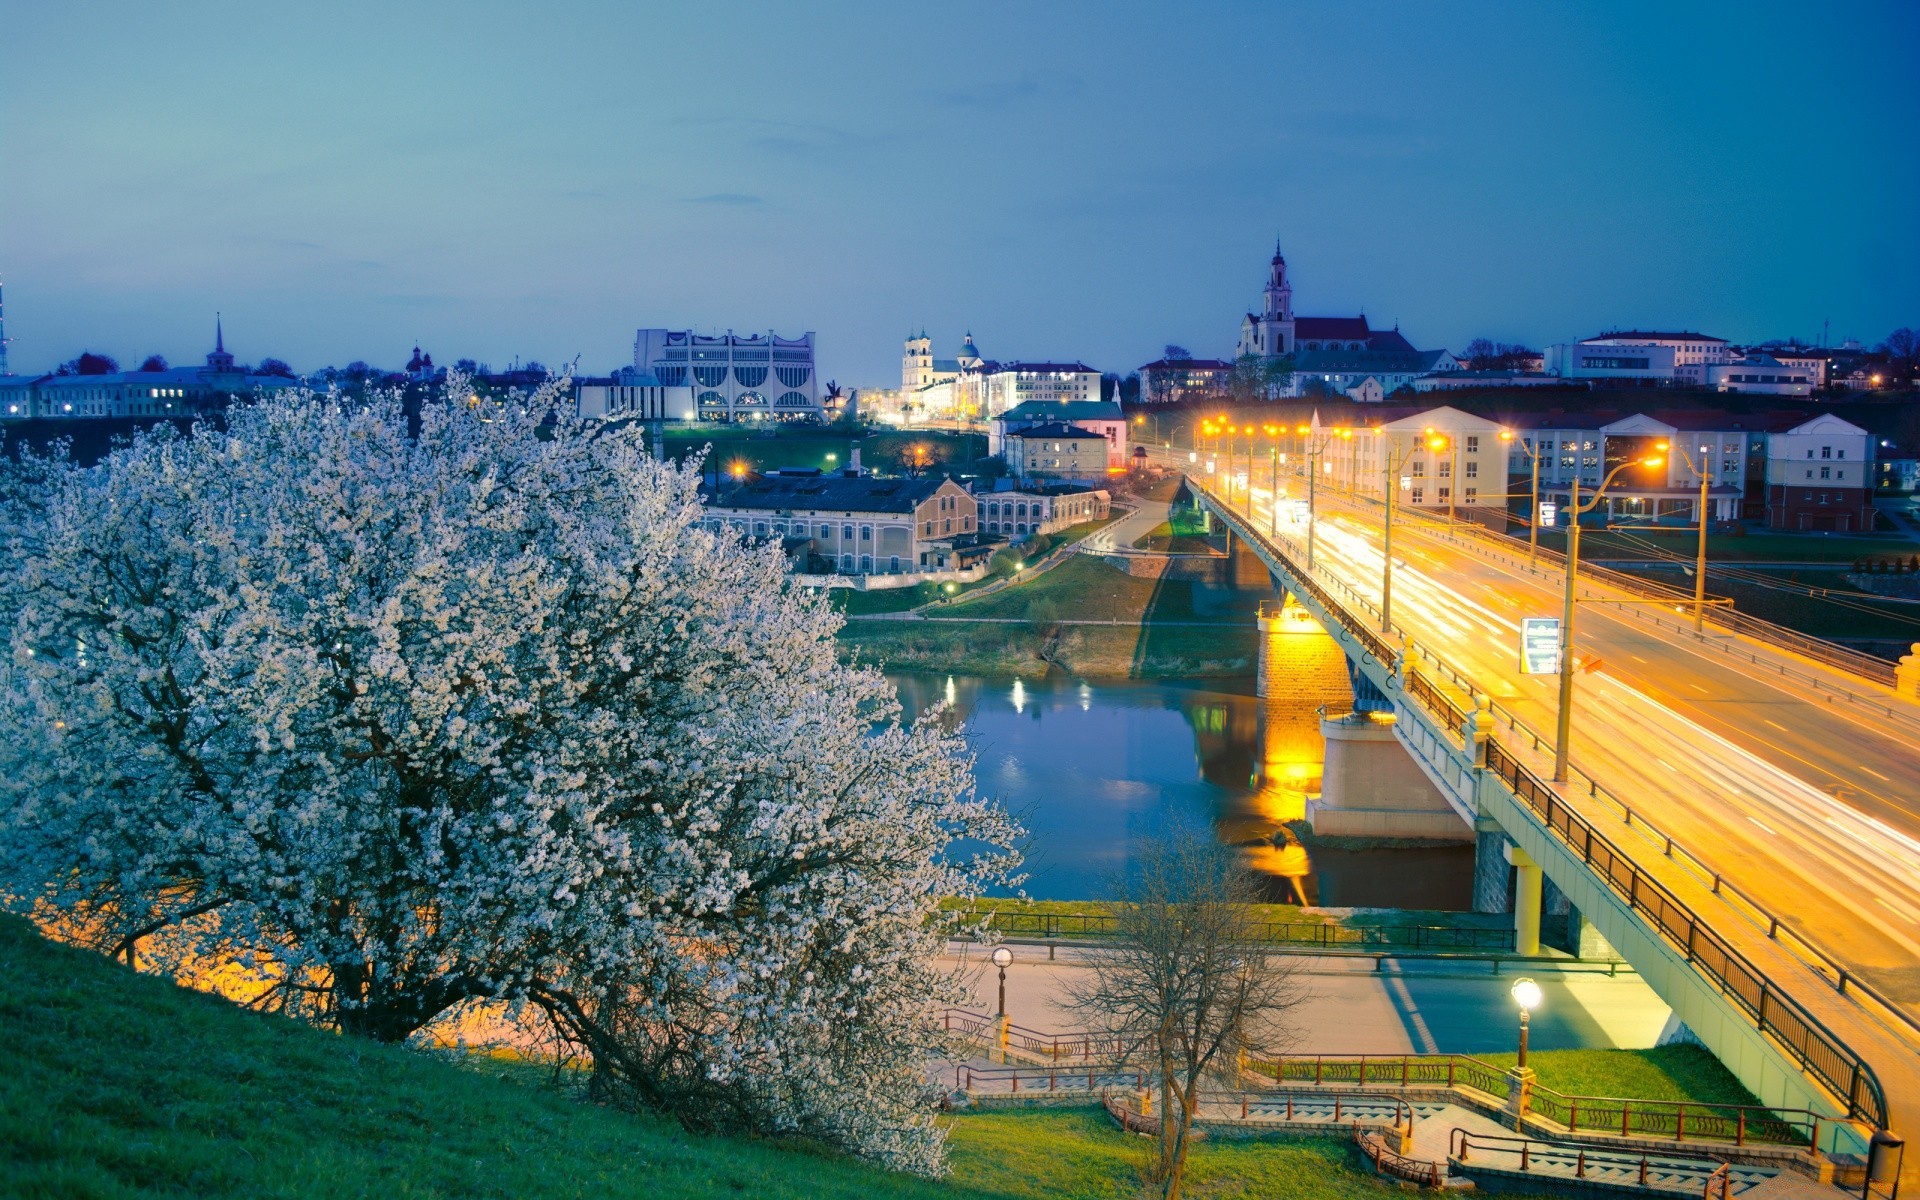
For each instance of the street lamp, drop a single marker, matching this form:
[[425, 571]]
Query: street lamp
[[1700, 511], [1564, 732], [1386, 558], [1526, 994], [1002, 958], [1533, 516], [1273, 501]]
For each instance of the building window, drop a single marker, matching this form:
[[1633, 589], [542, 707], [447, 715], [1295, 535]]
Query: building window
[[866, 533], [1473, 442], [1419, 495], [846, 532], [1826, 472], [1446, 493], [1473, 493], [1446, 470], [1826, 452], [1473, 470], [893, 564]]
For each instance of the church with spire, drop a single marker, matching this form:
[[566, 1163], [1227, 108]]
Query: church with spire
[[166, 392], [1338, 352]]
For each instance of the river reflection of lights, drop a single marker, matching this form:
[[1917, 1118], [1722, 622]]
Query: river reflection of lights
[[1086, 697], [1019, 696], [951, 693]]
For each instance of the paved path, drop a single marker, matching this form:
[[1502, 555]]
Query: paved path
[[1119, 537], [1411, 1007]]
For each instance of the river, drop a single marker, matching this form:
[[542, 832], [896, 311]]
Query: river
[[1092, 767]]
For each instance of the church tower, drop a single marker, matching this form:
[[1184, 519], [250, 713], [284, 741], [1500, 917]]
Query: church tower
[[1269, 333], [1279, 291], [219, 361], [916, 365]]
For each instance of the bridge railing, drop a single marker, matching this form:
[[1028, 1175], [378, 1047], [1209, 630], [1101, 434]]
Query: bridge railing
[[1093, 923], [1817, 1050]]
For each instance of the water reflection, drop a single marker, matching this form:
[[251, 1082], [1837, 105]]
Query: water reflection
[[1093, 767]]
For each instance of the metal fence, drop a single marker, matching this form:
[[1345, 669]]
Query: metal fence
[[1093, 923]]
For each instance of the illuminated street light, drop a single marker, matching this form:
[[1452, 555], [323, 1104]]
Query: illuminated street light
[[1564, 733], [1526, 994], [1700, 558], [1002, 958], [1533, 516]]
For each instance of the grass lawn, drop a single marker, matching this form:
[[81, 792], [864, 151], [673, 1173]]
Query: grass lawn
[[1662, 1073], [1003, 564], [1087, 589], [120, 1085]]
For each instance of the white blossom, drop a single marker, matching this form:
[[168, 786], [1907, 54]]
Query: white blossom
[[378, 722]]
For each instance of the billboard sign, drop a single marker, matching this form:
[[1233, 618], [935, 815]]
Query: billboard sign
[[1539, 645], [1301, 513], [1548, 512]]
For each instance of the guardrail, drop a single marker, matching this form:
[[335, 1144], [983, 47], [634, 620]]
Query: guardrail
[[1813, 1046], [1290, 933], [1055, 1046], [1816, 1049], [1010, 1080], [1709, 1178], [1389, 1161]]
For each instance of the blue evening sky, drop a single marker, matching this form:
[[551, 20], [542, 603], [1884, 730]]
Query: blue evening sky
[[1067, 180]]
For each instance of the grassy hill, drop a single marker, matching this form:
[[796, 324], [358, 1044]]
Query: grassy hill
[[119, 1085]]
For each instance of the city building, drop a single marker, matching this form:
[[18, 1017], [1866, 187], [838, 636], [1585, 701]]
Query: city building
[[1761, 374], [1667, 494], [174, 392], [1172, 380], [1331, 354], [734, 377], [919, 368], [1447, 381], [628, 394], [1098, 416], [1466, 473], [1055, 452], [1018, 513], [1693, 353], [1820, 476], [986, 390], [1646, 366], [1367, 391], [856, 524]]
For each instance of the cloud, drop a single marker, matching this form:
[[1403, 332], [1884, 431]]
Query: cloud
[[737, 199]]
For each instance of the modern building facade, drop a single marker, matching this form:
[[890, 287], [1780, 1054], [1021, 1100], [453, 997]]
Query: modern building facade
[[733, 376], [988, 389], [628, 394], [1651, 357], [1668, 494], [1761, 375], [1437, 460], [854, 525]]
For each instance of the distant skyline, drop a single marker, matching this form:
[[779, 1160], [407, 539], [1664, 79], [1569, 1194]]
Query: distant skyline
[[1087, 181]]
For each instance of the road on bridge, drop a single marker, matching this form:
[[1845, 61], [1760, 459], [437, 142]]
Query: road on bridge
[[1807, 802]]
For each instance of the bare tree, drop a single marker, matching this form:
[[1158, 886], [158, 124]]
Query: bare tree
[[1903, 349], [1186, 984]]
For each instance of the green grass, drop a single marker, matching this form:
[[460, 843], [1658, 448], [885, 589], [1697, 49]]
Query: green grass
[[1687, 1073], [120, 1085]]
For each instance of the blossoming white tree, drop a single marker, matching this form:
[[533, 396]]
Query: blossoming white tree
[[397, 719]]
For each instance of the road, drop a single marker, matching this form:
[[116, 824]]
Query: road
[[1411, 1008], [1811, 805]]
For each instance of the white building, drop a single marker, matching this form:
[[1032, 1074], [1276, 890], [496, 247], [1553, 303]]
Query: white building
[[1651, 365], [1761, 375], [174, 392], [734, 377], [1439, 459], [1820, 476], [1098, 416], [986, 390], [1017, 513], [1667, 494], [630, 395]]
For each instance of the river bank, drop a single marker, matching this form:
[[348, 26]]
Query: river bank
[[1031, 650]]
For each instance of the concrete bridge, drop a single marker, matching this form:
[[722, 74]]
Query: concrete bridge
[[1790, 972]]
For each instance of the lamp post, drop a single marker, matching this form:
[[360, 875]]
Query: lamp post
[[1526, 994], [1273, 500], [1533, 516], [1440, 441], [1563, 733], [1700, 512], [1386, 542], [1002, 958]]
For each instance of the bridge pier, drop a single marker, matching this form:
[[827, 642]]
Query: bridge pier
[[1526, 901], [1492, 891]]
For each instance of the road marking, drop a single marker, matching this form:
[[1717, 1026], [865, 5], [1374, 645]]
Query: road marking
[[1875, 774], [1904, 912], [1637, 658], [1663, 762], [1696, 687], [1763, 825], [1776, 725]]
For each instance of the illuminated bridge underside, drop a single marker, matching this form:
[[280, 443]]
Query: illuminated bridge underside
[[1777, 1050]]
